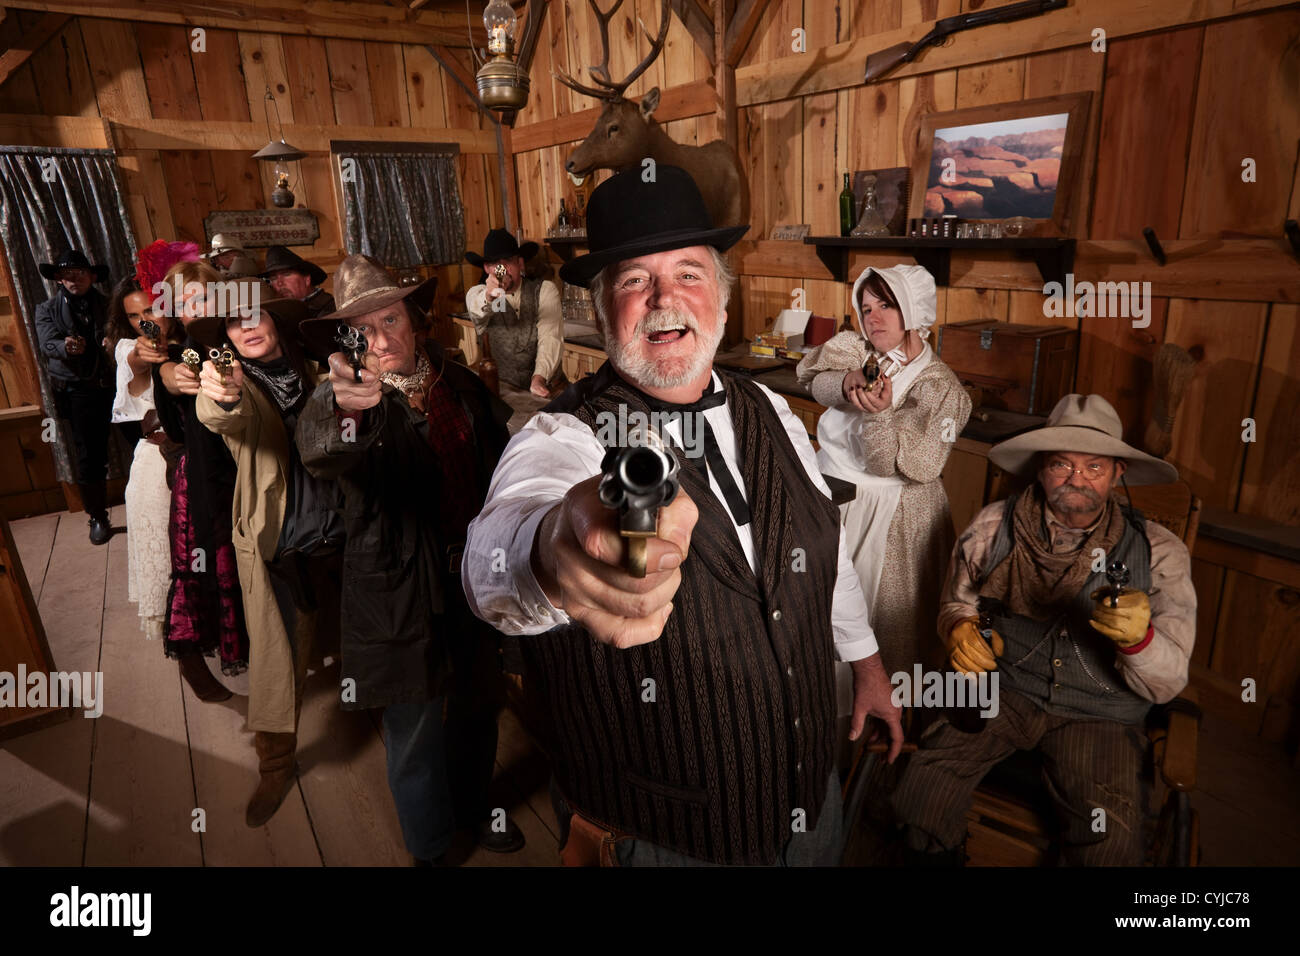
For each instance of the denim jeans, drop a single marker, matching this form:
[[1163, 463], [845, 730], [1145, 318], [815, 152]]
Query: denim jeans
[[417, 776]]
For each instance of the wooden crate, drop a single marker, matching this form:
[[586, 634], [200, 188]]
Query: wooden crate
[[1019, 368]]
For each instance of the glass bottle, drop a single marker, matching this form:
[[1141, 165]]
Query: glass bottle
[[846, 208], [870, 222], [562, 224]]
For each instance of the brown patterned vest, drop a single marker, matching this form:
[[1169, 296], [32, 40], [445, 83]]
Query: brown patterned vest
[[514, 335], [739, 733]]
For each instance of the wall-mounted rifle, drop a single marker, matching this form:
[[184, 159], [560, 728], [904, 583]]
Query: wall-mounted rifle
[[878, 64]]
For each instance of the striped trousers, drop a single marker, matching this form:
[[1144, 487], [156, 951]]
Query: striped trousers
[[1088, 765]]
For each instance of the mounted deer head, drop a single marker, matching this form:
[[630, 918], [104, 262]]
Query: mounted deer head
[[625, 133]]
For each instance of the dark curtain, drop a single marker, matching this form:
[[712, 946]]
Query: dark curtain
[[403, 207], [50, 200]]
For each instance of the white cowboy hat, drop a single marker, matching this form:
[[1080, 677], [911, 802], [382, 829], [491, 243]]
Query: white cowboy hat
[[223, 243], [1085, 424]]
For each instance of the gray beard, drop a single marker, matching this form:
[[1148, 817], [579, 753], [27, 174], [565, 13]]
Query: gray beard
[[645, 372]]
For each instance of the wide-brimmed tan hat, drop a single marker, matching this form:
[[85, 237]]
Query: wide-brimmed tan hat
[[223, 243], [361, 285], [1084, 424]]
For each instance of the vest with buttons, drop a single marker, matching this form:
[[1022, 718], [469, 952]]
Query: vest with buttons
[[1062, 664], [514, 335], [710, 739]]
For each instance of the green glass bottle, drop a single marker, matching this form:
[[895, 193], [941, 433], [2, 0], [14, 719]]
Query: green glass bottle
[[847, 219]]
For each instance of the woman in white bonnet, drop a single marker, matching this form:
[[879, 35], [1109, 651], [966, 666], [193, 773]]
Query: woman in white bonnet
[[892, 440]]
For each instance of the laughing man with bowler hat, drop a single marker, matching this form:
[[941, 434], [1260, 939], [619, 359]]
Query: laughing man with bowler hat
[[521, 314], [689, 714], [293, 277], [70, 327]]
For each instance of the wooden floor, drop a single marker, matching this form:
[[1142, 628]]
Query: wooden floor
[[123, 789]]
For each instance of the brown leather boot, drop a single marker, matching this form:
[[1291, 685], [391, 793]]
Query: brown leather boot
[[206, 687], [278, 771]]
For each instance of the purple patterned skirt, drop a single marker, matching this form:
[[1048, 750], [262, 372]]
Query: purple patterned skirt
[[205, 609]]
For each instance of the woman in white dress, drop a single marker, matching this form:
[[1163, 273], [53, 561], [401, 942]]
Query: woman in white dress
[[891, 438], [148, 498]]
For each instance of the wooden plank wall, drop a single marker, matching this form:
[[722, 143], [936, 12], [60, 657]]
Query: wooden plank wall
[[124, 71], [569, 42], [1173, 114]]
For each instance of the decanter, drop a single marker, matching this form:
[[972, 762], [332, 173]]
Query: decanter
[[870, 223]]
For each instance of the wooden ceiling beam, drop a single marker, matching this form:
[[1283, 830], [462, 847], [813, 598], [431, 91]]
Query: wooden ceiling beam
[[741, 29], [31, 41], [311, 138], [319, 18], [698, 22]]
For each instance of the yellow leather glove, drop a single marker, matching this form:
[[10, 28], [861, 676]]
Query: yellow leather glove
[[968, 652], [1126, 624]]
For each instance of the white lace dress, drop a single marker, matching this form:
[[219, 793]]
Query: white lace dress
[[148, 507]]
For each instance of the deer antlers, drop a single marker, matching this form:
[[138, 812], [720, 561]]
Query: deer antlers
[[607, 89]]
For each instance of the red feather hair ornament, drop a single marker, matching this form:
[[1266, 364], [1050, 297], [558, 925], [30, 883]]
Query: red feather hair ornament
[[154, 260]]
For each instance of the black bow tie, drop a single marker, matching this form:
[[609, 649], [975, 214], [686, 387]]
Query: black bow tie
[[716, 463]]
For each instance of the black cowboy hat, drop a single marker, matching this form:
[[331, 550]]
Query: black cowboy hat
[[278, 258], [72, 259], [629, 217], [210, 330], [499, 244], [361, 285]]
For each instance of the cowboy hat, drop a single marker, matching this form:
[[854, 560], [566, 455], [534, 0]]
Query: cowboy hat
[[361, 285], [1085, 424], [72, 259], [210, 330], [629, 217], [278, 259], [223, 243], [498, 245]]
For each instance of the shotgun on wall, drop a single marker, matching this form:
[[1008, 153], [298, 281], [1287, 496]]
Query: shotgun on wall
[[878, 64]]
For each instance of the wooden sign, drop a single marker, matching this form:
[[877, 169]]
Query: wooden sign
[[256, 228], [795, 231]]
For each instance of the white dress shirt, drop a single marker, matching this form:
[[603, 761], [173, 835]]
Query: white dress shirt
[[551, 454], [550, 322]]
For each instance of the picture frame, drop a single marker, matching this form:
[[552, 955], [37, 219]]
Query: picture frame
[[1030, 172]]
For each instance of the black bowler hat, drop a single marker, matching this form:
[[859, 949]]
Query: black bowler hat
[[278, 258], [72, 259], [629, 217], [499, 244]]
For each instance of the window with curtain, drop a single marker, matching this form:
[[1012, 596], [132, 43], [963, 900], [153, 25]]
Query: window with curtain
[[401, 202], [53, 199]]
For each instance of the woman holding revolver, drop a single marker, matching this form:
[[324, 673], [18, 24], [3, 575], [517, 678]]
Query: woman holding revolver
[[891, 438], [286, 527], [140, 336]]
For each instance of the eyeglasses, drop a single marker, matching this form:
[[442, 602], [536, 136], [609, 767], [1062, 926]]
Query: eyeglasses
[[1093, 471]]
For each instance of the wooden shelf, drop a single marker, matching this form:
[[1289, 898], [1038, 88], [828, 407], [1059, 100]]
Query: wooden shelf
[[1054, 256], [566, 246]]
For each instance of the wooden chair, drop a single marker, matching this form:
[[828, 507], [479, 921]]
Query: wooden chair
[[1012, 821]]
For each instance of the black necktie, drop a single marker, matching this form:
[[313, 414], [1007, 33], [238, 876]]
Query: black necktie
[[712, 453]]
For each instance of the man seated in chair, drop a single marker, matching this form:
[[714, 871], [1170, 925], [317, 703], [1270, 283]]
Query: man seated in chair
[[1076, 675]]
